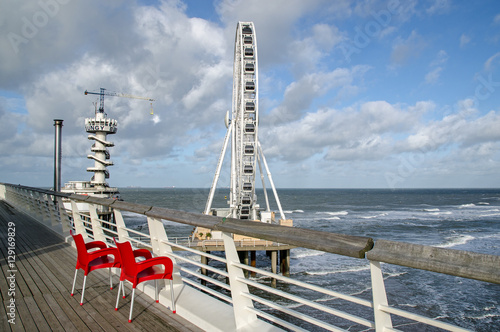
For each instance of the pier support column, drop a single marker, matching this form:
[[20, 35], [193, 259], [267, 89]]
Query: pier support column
[[244, 260], [274, 266], [253, 261], [285, 262], [204, 260]]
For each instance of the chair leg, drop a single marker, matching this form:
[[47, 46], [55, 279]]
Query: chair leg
[[110, 280], [156, 291], [74, 281], [83, 289], [123, 289], [118, 295], [172, 295], [131, 306]]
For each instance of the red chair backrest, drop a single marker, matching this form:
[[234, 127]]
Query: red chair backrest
[[83, 258], [127, 258]]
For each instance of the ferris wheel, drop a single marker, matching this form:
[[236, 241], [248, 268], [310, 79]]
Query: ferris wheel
[[246, 152]]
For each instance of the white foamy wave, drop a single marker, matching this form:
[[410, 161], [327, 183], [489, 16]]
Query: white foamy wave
[[490, 215], [375, 216], [440, 213], [367, 289], [339, 213], [333, 218], [467, 205], [305, 253], [431, 210], [456, 241], [394, 275], [346, 270], [483, 203], [293, 211]]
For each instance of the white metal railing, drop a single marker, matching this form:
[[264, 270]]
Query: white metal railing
[[251, 300]]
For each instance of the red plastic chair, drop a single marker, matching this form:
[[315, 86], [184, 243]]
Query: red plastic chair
[[137, 272], [88, 261]]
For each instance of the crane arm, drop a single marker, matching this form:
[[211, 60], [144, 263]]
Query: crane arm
[[103, 93], [131, 96]]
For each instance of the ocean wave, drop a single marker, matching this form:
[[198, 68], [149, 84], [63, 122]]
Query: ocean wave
[[306, 253], [375, 216], [346, 270], [338, 213], [431, 210], [440, 213], [293, 211], [483, 203], [467, 205], [394, 275], [489, 215], [456, 241], [333, 218]]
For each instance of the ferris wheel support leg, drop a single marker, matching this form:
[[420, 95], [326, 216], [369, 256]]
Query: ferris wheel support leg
[[271, 181], [263, 183], [217, 173]]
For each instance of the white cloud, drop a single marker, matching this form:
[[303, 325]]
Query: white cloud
[[363, 132], [439, 7], [308, 52], [299, 95], [464, 40], [433, 76], [436, 65], [316, 114]]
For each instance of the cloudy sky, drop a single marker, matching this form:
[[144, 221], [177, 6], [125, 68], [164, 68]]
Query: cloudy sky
[[353, 94]]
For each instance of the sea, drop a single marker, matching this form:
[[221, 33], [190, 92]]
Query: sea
[[463, 219]]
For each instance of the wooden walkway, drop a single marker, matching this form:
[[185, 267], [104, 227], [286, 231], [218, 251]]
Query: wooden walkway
[[44, 268]]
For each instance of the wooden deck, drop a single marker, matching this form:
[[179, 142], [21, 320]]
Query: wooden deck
[[44, 268]]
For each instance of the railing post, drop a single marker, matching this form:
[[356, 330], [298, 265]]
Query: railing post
[[38, 207], [382, 319], [120, 226], [63, 215], [77, 220], [160, 248], [54, 214], [96, 224], [29, 201], [242, 316], [158, 235]]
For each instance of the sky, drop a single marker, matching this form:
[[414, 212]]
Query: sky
[[352, 94]]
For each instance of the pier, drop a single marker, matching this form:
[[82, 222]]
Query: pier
[[40, 282], [226, 299]]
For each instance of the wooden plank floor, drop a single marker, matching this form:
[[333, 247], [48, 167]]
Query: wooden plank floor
[[44, 269]]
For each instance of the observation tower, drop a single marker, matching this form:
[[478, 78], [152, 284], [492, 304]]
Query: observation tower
[[99, 127]]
